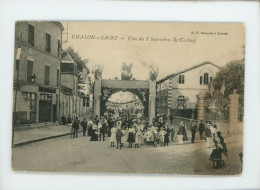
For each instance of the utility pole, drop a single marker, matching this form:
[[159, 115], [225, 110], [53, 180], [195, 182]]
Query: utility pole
[[18, 57]]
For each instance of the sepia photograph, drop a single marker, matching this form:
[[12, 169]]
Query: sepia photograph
[[128, 97]]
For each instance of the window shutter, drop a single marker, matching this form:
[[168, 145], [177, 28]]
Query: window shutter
[[29, 71], [48, 43], [206, 78], [47, 75], [31, 35]]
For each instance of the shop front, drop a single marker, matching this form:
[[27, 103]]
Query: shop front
[[48, 100]]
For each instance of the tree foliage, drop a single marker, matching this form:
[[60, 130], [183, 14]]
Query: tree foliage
[[79, 61], [232, 76]]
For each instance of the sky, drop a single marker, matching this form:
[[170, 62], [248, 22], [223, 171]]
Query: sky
[[183, 45]]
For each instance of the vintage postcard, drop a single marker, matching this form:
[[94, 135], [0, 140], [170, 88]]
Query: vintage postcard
[[128, 97]]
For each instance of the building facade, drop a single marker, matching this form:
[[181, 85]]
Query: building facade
[[178, 93], [37, 74], [71, 103], [87, 92]]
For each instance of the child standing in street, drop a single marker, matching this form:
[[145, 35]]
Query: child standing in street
[[119, 135], [131, 136]]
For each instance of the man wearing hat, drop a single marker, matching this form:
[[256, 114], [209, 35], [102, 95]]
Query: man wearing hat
[[193, 132], [75, 127], [84, 125]]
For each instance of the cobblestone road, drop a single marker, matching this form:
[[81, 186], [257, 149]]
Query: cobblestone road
[[81, 155]]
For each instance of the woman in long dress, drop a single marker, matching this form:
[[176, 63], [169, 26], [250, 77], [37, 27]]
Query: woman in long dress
[[90, 129], [220, 148], [94, 134], [216, 155], [139, 131], [124, 138], [185, 137], [137, 138], [113, 136]]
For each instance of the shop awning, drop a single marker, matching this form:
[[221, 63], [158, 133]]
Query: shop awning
[[21, 105]]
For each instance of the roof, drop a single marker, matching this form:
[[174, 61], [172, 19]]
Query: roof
[[185, 70], [60, 25], [66, 58]]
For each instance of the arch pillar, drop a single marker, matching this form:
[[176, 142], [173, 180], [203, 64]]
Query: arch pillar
[[152, 99], [201, 106], [97, 94], [233, 112]]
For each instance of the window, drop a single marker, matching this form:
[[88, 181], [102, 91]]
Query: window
[[47, 75], [201, 80], [206, 78], [46, 97], [181, 101], [181, 79], [48, 43], [67, 67], [29, 71], [58, 77], [59, 47], [30, 99], [31, 35]]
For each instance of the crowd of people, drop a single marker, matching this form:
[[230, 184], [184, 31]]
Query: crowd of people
[[129, 131]]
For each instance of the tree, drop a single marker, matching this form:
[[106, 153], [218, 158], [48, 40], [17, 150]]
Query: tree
[[78, 60], [232, 76]]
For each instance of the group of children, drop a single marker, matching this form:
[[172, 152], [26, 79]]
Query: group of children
[[137, 134]]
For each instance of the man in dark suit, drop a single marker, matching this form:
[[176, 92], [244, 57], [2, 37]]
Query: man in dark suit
[[201, 129], [75, 127], [103, 129], [171, 118], [110, 125], [84, 125], [193, 132]]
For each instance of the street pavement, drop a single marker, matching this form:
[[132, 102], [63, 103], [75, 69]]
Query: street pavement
[[29, 134], [65, 154], [38, 131]]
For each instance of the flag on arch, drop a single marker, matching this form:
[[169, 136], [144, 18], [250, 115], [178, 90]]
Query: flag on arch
[[223, 88]]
